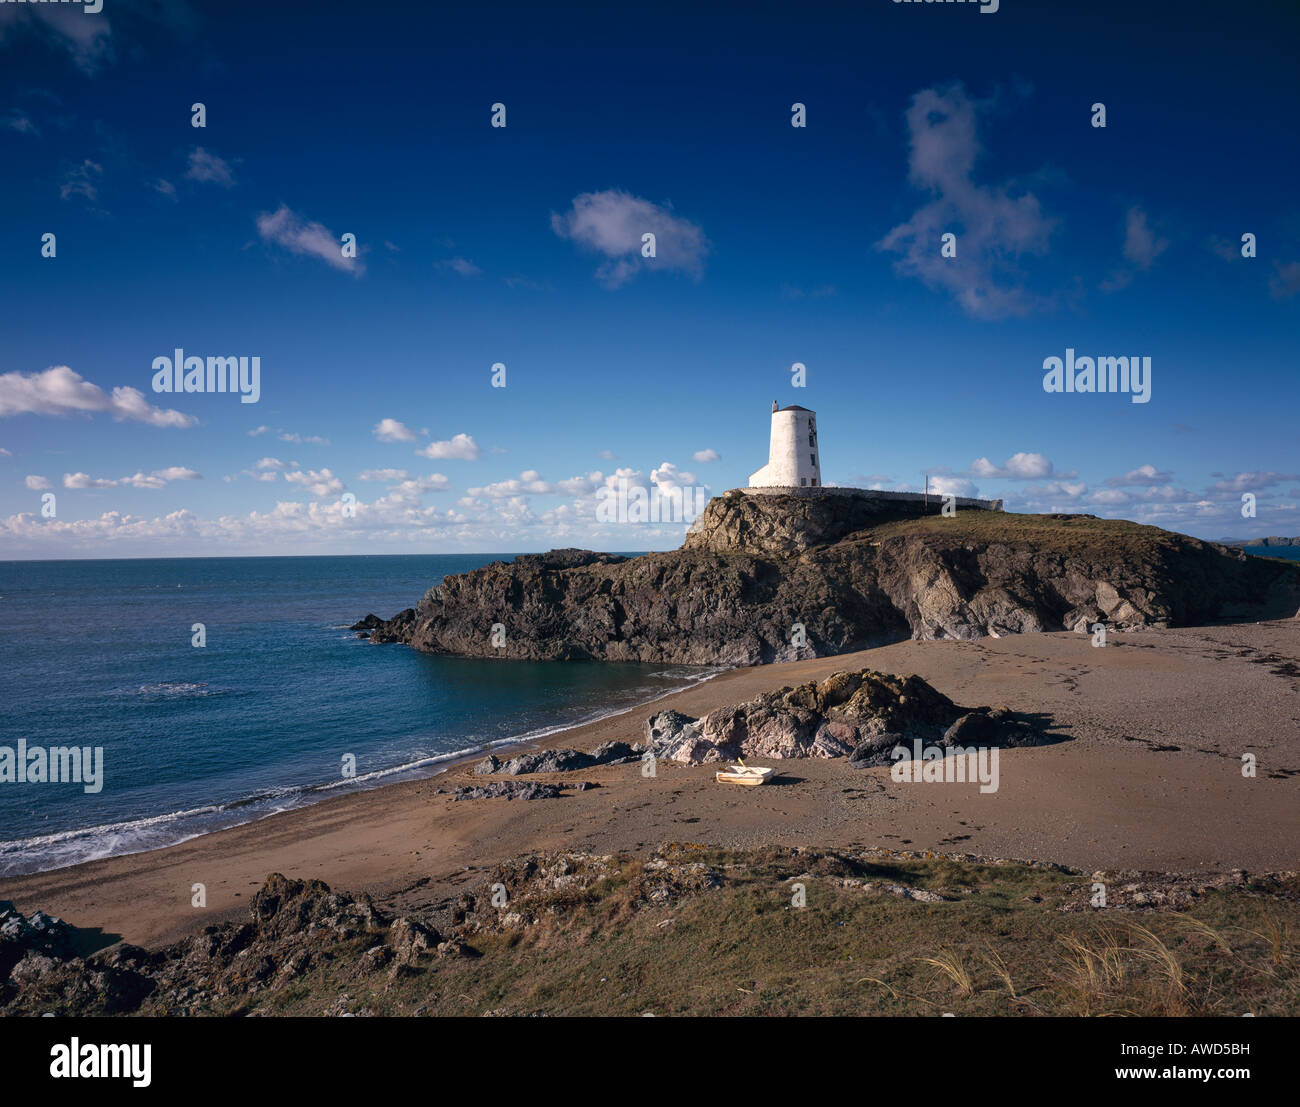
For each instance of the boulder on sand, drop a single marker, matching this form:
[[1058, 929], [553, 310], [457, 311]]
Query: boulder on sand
[[557, 761], [861, 715]]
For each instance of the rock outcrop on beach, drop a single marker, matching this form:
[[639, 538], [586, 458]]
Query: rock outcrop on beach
[[557, 761], [511, 790], [778, 578], [860, 715], [38, 935]]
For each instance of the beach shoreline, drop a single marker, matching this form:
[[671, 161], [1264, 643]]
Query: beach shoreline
[[1148, 778], [426, 768]]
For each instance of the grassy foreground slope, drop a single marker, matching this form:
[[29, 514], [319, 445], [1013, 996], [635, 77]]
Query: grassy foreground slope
[[1001, 941], [689, 930]]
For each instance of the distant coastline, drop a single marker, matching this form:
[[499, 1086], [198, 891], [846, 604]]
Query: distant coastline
[[1287, 549], [1272, 540]]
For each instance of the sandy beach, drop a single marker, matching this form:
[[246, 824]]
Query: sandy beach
[[1148, 776]]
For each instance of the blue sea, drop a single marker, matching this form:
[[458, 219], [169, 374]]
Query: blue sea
[[1290, 553], [99, 653]]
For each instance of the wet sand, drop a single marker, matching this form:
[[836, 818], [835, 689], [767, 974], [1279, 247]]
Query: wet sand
[[1148, 776]]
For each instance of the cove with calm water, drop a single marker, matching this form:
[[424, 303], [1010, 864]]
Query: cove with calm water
[[99, 654]]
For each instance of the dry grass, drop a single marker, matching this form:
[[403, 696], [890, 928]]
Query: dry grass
[[1092, 971], [950, 963], [1000, 970], [744, 949]]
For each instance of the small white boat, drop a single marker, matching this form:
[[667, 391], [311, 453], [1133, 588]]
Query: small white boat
[[748, 775]]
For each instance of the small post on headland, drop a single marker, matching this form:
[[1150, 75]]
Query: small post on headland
[[927, 492]]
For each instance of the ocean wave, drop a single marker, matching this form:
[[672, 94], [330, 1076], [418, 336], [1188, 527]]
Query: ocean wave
[[44, 852], [172, 689]]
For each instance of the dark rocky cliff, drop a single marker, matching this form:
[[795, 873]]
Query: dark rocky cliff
[[755, 568]]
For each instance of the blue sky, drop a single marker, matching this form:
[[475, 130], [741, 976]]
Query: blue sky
[[521, 245]]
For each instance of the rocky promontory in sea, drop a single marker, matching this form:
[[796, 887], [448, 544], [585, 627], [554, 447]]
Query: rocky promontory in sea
[[1271, 541], [763, 578]]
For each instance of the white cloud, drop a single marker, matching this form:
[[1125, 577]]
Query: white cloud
[[81, 181], [159, 478], [994, 228], [1070, 490], [60, 391], [392, 430], [141, 480], [206, 167], [461, 267], [705, 456], [1117, 497], [1143, 474], [1141, 244], [952, 486], [1248, 482], [461, 446], [410, 490], [612, 223], [398, 518], [581, 485], [530, 483], [19, 121], [1019, 466], [1224, 247], [177, 472], [37, 484], [1141, 248], [632, 476], [85, 480], [273, 463], [385, 475], [86, 38], [319, 482], [668, 477], [289, 436], [285, 228], [1285, 281]]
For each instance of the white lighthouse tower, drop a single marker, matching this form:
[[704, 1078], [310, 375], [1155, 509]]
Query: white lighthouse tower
[[793, 458]]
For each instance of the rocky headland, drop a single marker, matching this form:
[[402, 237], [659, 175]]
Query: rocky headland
[[781, 578], [1272, 540]]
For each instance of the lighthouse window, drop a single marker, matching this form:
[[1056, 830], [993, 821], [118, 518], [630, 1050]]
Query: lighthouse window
[[803, 481], [814, 458]]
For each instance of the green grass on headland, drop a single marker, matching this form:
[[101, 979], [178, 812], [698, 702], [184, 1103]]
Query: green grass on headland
[[1070, 534]]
